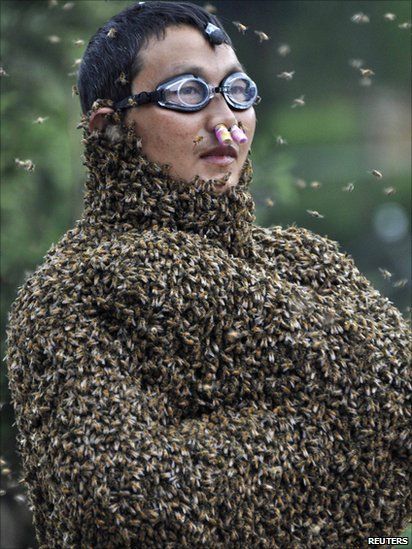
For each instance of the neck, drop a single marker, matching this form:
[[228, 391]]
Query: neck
[[124, 190]]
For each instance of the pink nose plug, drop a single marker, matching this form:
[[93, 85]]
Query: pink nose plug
[[225, 137]]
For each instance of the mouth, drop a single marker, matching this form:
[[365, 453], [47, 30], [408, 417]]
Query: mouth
[[220, 156]]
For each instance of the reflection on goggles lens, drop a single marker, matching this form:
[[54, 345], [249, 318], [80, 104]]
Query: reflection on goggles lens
[[192, 92]]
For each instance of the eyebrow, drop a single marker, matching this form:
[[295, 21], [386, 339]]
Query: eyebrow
[[200, 71]]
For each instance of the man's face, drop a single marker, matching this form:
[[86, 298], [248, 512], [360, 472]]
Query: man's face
[[167, 135]]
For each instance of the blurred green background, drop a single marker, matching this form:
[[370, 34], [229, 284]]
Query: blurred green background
[[347, 127]]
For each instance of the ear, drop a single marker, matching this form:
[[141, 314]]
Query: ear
[[98, 120]]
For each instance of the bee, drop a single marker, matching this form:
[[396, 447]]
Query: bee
[[240, 27], [283, 50], [68, 6], [210, 8], [386, 274], [300, 183], [78, 42], [25, 164], [315, 185], [75, 90], [52, 3], [286, 75], [348, 188], [400, 283], [406, 25], [269, 202], [112, 33], [262, 36], [389, 16], [3, 72], [299, 102], [376, 173], [389, 191], [53, 39], [360, 18], [3, 492], [367, 72], [280, 140], [77, 62], [314, 213], [197, 140], [40, 120], [242, 126], [122, 79], [356, 63]]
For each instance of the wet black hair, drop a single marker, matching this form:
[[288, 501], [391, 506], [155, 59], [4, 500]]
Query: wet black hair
[[107, 57]]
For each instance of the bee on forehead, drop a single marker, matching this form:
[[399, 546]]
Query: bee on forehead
[[298, 102], [314, 213], [283, 50], [112, 33], [286, 75], [360, 18], [262, 36], [240, 27]]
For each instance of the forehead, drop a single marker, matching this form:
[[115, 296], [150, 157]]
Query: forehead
[[183, 46]]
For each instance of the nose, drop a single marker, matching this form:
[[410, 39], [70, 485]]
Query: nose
[[218, 112]]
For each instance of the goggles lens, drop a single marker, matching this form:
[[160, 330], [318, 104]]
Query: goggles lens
[[191, 92]]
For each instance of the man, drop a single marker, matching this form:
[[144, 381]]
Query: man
[[182, 377]]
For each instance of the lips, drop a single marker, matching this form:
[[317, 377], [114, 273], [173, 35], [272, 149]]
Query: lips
[[222, 151]]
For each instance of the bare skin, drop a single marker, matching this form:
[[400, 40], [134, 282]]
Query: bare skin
[[167, 135]]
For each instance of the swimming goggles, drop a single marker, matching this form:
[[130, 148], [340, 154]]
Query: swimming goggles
[[190, 93]]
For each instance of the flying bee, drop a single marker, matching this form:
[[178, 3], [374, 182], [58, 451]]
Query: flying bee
[[269, 202], [348, 188], [283, 50], [78, 42], [262, 36], [356, 63], [77, 62], [68, 6], [280, 140], [360, 18], [314, 213], [299, 102], [389, 16], [112, 33], [3, 72], [54, 39], [406, 25], [286, 75], [52, 3], [75, 90], [316, 185], [240, 26], [122, 79], [197, 140], [300, 183], [389, 191], [210, 8], [400, 283], [25, 164], [376, 173], [40, 120], [386, 274], [367, 72]]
